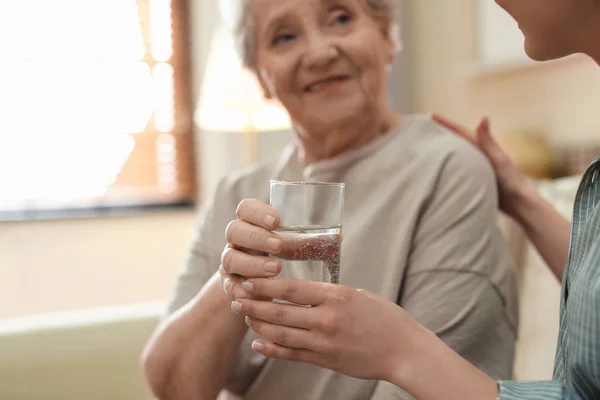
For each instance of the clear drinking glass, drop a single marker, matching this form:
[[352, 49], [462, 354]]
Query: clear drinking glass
[[311, 216]]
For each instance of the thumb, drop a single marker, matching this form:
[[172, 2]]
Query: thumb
[[483, 132]]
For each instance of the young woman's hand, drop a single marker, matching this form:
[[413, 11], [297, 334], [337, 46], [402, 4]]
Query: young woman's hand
[[512, 183], [347, 330]]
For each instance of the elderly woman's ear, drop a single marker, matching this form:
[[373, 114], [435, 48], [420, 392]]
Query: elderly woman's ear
[[391, 32], [265, 83], [395, 34]]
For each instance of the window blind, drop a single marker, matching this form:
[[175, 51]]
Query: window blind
[[95, 104]]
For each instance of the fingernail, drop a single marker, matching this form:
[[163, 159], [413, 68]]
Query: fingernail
[[236, 307], [271, 266], [248, 321], [273, 243], [257, 346], [247, 286], [270, 221]]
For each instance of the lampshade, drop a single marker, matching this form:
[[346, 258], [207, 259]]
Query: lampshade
[[231, 99]]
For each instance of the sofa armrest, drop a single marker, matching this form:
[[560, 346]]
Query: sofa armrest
[[91, 354]]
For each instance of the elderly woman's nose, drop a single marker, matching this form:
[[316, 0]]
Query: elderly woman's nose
[[320, 52]]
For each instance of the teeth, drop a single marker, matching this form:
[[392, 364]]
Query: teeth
[[319, 86]]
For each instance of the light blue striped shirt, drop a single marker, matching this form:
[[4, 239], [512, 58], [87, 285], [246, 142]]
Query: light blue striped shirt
[[577, 365]]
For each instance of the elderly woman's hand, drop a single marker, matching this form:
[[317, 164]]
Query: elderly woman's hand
[[350, 331], [250, 240]]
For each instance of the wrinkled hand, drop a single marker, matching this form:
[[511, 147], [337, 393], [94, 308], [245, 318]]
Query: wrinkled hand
[[250, 240], [347, 330], [511, 181]]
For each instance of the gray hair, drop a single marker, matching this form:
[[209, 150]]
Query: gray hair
[[384, 10]]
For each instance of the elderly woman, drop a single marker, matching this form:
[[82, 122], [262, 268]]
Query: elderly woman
[[420, 215]]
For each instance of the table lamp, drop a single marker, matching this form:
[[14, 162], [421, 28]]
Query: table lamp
[[231, 99]]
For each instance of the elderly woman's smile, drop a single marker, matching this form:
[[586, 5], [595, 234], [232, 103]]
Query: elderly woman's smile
[[327, 62], [323, 85]]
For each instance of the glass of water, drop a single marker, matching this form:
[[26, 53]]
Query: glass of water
[[311, 216]]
